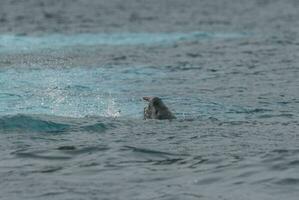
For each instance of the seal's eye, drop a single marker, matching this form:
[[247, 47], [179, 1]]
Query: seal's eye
[[156, 103]]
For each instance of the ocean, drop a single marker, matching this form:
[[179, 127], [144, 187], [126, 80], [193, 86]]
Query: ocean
[[72, 78]]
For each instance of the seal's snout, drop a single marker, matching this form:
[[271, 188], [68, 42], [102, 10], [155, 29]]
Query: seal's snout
[[156, 109], [147, 98]]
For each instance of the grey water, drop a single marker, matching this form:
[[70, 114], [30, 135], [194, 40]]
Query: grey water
[[72, 77]]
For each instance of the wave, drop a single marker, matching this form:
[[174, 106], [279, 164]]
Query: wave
[[52, 124]]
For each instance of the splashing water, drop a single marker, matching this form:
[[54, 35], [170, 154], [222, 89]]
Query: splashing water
[[112, 108]]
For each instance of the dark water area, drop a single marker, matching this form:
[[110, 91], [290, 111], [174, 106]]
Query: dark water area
[[72, 77], [47, 157]]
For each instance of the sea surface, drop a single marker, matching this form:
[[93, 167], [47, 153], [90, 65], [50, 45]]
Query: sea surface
[[72, 78]]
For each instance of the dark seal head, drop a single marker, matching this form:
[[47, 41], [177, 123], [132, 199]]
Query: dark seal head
[[156, 109]]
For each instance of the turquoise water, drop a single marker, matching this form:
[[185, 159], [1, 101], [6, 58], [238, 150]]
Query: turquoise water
[[105, 90], [73, 92], [34, 43], [111, 91]]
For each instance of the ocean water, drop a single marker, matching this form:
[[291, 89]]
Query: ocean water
[[71, 108]]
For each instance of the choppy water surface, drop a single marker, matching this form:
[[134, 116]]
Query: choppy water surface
[[71, 122]]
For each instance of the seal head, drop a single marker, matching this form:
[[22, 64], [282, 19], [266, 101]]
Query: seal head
[[156, 109]]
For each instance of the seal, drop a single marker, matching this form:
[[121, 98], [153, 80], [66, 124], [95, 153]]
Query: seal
[[156, 109]]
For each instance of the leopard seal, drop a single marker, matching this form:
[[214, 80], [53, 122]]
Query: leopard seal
[[156, 109]]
